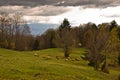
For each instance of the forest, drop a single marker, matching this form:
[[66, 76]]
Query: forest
[[102, 42]]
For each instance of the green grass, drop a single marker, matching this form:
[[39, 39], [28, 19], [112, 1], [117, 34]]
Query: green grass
[[16, 65]]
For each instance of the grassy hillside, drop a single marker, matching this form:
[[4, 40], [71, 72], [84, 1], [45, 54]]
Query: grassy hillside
[[45, 66]]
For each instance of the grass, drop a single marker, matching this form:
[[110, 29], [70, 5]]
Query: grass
[[16, 65]]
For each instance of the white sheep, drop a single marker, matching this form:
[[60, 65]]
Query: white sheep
[[35, 54]]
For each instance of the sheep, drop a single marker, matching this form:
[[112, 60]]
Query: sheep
[[35, 54]]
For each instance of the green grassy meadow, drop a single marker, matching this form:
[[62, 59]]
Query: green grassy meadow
[[15, 65]]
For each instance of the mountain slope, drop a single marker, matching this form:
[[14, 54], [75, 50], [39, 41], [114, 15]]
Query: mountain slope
[[40, 28]]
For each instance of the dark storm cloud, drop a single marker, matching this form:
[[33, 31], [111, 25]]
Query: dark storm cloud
[[35, 11], [97, 3], [50, 7]]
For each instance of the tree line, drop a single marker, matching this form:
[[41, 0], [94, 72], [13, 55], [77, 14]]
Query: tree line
[[102, 42], [14, 32]]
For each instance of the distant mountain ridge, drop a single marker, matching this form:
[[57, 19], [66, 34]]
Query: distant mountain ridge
[[40, 28]]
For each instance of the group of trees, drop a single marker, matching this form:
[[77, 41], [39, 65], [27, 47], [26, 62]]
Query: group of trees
[[101, 42], [103, 45], [64, 37], [14, 32]]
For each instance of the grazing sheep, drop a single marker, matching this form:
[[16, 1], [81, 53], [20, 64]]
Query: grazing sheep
[[66, 59], [77, 59], [57, 57], [35, 54], [37, 74], [47, 57]]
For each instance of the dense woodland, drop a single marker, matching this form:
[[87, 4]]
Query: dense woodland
[[100, 41]]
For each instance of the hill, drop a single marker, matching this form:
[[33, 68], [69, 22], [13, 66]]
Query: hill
[[49, 64]]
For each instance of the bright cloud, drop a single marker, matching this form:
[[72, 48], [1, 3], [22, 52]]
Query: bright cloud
[[55, 14], [111, 12], [79, 15]]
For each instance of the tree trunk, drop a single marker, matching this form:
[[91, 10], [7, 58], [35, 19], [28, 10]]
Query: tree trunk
[[96, 65], [66, 53], [104, 67]]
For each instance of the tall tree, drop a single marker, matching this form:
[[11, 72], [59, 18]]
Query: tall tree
[[90, 43], [111, 50], [64, 37], [5, 24]]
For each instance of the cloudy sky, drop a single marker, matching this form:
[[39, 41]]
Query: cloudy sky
[[54, 11]]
